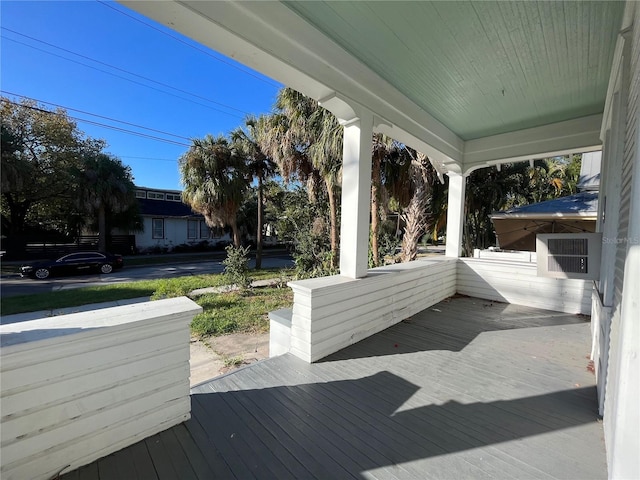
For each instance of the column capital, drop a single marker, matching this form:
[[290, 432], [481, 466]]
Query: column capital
[[346, 111]]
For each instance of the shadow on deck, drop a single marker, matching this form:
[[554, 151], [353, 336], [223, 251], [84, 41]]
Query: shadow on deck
[[466, 389]]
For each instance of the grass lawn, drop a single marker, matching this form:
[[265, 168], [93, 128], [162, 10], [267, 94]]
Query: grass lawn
[[239, 312], [244, 312]]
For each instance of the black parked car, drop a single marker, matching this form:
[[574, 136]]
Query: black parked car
[[73, 263]]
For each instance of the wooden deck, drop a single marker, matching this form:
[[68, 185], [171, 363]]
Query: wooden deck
[[466, 389]]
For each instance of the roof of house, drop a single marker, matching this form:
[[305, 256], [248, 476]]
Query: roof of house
[[583, 204], [163, 208]]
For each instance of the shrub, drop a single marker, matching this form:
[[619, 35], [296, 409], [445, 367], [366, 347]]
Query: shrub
[[236, 266]]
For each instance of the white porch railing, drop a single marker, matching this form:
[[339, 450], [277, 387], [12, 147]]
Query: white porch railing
[[331, 313], [78, 387], [517, 282]]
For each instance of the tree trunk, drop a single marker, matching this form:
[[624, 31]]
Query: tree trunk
[[375, 215], [236, 232], [333, 212], [18, 213], [415, 215], [259, 232], [412, 230], [102, 229]]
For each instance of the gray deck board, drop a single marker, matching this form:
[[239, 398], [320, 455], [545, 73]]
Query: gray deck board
[[198, 461], [205, 447], [468, 388]]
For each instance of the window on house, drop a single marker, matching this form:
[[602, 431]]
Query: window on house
[[155, 195], [157, 228], [174, 197], [141, 194], [205, 231], [192, 229]]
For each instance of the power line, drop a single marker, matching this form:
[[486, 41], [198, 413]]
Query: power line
[[123, 70], [149, 158], [130, 132], [123, 78], [190, 45], [96, 115], [104, 125]]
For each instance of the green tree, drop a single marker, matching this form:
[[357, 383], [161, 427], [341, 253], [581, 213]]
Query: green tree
[[303, 225], [389, 176], [105, 193], [41, 151], [490, 190], [258, 164], [305, 140], [214, 179]]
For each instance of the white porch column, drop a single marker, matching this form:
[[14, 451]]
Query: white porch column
[[455, 214], [356, 196]]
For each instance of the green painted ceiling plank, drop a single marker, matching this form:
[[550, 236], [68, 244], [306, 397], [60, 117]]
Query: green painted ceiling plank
[[454, 58]]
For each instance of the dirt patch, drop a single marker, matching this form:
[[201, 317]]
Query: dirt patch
[[219, 355]]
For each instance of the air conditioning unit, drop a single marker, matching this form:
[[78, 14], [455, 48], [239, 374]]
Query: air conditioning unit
[[569, 255]]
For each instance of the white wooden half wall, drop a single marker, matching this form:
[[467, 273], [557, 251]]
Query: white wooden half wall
[[518, 283], [330, 313], [78, 387]]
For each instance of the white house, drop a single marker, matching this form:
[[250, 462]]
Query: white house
[[169, 223]]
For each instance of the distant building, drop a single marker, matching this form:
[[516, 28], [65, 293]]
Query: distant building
[[169, 223], [517, 227]]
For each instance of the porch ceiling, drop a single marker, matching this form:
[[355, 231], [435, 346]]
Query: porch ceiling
[[481, 68], [468, 83]]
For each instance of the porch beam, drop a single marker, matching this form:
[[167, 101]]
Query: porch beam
[[455, 214], [561, 138]]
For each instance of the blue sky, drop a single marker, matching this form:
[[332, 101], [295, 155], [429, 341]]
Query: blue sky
[[65, 53]]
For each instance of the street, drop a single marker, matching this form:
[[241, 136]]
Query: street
[[15, 285]]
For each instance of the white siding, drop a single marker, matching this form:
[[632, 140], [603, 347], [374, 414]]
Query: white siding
[[175, 233], [600, 327], [518, 283], [79, 387], [621, 410], [331, 313]]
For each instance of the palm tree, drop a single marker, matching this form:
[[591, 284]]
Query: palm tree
[[382, 149], [305, 140], [105, 188], [259, 166], [416, 215], [214, 180]]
